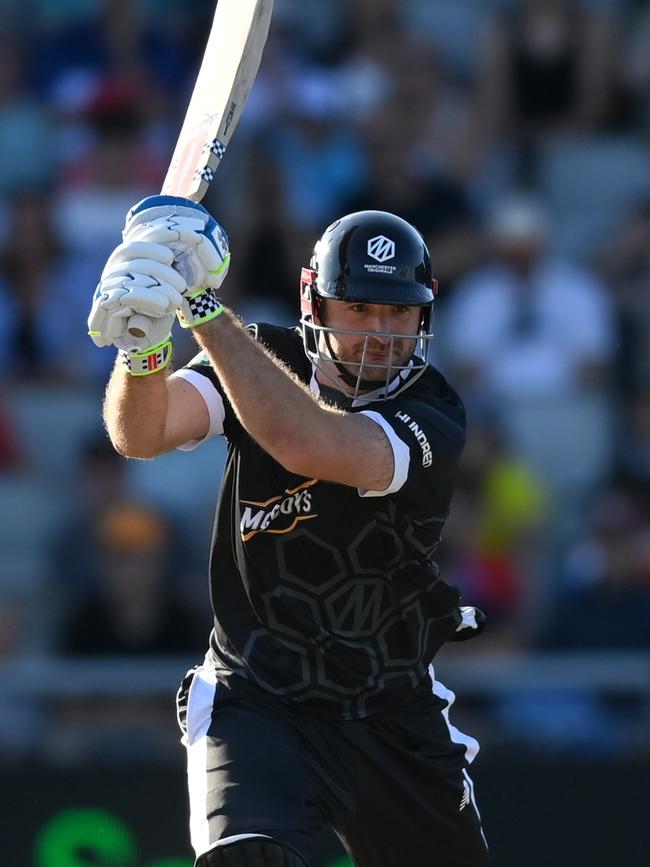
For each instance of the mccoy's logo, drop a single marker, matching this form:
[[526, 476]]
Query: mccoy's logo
[[278, 515], [381, 248]]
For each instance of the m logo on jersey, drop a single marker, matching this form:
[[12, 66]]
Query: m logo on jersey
[[357, 608], [381, 248], [278, 515]]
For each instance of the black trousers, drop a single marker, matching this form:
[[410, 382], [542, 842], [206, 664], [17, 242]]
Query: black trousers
[[394, 786]]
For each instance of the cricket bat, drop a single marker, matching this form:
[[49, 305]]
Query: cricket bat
[[232, 58]]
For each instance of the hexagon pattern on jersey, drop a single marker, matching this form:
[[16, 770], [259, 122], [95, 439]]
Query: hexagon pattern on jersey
[[345, 623]]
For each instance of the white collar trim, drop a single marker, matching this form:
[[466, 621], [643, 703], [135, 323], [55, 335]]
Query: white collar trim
[[314, 386]]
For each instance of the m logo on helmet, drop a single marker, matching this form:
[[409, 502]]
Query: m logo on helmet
[[381, 248]]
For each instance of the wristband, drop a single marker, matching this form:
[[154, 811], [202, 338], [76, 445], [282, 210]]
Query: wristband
[[151, 360], [199, 308]]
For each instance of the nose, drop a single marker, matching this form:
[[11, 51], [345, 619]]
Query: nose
[[379, 320]]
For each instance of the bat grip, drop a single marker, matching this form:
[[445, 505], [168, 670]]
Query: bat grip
[[138, 325]]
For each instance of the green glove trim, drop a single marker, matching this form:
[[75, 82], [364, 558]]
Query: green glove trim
[[198, 309], [148, 361]]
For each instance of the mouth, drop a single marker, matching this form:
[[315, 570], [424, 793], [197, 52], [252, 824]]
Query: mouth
[[378, 355], [377, 358]]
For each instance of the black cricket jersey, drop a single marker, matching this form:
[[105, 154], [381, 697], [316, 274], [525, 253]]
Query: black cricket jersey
[[325, 595]]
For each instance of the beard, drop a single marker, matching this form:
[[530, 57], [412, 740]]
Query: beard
[[371, 360]]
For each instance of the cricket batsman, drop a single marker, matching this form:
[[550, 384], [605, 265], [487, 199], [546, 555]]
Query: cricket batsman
[[316, 705]]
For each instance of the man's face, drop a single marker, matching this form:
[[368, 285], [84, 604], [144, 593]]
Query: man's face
[[378, 346]]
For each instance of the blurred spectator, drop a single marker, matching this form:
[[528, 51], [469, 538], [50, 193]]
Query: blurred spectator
[[120, 166], [311, 34], [21, 718], [136, 608], [77, 41], [632, 464], [260, 293], [549, 69], [10, 453], [44, 299], [607, 601], [29, 261], [320, 157], [533, 335], [418, 136], [27, 152], [398, 85], [433, 201], [624, 261], [636, 66], [455, 28], [9, 627], [524, 323], [116, 114], [100, 484], [493, 534]]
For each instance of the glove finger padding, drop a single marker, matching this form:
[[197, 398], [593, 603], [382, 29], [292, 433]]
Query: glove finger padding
[[158, 272], [157, 332], [108, 327], [142, 274], [98, 326], [153, 302], [200, 249], [155, 299], [169, 231], [138, 278], [158, 209], [216, 261], [133, 250], [116, 323], [145, 296], [105, 326]]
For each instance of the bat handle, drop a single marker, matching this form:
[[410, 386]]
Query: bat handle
[[138, 325]]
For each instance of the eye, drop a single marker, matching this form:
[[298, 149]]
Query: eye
[[358, 308], [401, 308]]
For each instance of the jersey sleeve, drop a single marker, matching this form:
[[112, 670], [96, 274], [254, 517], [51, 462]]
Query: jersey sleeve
[[285, 343], [426, 444], [201, 375], [401, 458]]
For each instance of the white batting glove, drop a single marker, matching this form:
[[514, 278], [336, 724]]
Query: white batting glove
[[199, 247], [138, 279]]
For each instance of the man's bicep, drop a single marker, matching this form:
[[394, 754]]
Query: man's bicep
[[194, 410]]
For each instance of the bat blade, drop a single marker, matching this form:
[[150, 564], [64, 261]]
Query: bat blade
[[228, 70], [232, 58]]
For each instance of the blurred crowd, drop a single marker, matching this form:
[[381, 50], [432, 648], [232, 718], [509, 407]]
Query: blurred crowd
[[515, 134]]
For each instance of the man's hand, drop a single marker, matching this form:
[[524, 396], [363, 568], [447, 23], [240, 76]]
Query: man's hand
[[198, 245], [138, 278], [173, 258]]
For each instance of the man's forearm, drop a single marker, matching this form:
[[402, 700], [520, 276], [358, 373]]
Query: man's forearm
[[277, 410], [135, 409]]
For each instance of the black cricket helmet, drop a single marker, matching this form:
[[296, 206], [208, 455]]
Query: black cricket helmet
[[369, 257]]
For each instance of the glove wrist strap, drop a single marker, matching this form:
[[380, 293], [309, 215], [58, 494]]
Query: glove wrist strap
[[199, 308], [151, 360]]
